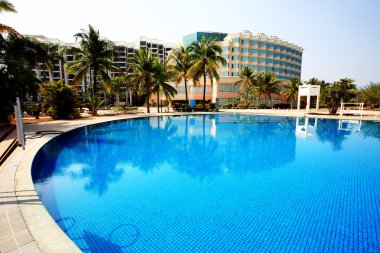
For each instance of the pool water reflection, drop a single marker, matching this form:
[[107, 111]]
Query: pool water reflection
[[215, 183]]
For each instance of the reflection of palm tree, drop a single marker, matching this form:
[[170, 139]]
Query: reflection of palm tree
[[370, 129], [328, 130]]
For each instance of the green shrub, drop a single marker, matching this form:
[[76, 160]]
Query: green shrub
[[262, 106], [59, 100], [242, 106]]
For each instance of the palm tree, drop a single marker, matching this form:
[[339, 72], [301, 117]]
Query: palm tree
[[144, 67], [114, 87], [6, 6], [161, 78], [266, 84], [206, 57], [290, 90], [94, 56], [47, 55], [247, 77], [180, 62]]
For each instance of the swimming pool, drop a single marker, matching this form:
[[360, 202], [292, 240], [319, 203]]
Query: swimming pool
[[215, 183]]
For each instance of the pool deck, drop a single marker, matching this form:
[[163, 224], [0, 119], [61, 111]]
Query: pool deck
[[25, 225]]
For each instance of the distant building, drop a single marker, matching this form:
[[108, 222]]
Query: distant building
[[261, 52], [197, 36], [125, 52]]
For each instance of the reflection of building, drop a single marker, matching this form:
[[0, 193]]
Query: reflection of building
[[261, 52], [306, 128], [349, 125]]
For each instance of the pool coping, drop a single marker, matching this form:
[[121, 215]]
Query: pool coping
[[44, 233]]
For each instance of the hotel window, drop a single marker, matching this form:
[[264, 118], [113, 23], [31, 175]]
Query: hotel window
[[262, 44], [235, 40], [244, 50], [269, 45], [261, 59], [282, 63], [261, 68], [244, 58], [243, 66], [254, 43], [269, 61], [282, 48], [253, 66], [235, 49], [225, 56], [253, 51], [282, 56], [276, 47], [262, 52], [224, 73], [226, 48], [276, 55], [276, 62], [276, 69], [282, 70], [269, 53], [292, 58], [253, 59], [288, 57], [235, 57], [229, 88], [287, 64], [268, 69], [235, 73], [244, 42], [235, 66], [226, 65]]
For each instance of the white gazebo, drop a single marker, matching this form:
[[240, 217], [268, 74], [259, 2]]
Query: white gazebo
[[308, 91]]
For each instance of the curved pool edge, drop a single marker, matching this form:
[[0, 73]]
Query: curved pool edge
[[47, 234], [45, 231]]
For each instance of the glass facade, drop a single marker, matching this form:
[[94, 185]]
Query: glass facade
[[197, 37]]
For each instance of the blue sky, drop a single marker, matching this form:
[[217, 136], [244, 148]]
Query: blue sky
[[341, 37]]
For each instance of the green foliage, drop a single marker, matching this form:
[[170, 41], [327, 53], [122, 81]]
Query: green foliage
[[370, 95], [247, 78], [18, 56], [333, 94], [206, 58], [94, 102], [290, 89], [266, 84], [59, 100], [95, 54]]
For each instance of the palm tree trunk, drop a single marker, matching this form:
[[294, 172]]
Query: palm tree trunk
[[95, 80], [204, 91], [147, 98], [158, 102], [126, 94], [187, 100]]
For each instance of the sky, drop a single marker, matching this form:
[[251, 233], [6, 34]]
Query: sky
[[341, 38]]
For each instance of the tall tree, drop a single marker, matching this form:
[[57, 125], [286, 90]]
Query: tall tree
[[266, 83], [247, 78], [290, 89], [94, 56], [370, 95], [144, 64], [114, 87], [206, 58], [161, 85], [47, 55], [335, 93], [6, 6], [179, 61]]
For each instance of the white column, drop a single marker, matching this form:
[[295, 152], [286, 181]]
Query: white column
[[308, 103], [317, 107], [298, 102]]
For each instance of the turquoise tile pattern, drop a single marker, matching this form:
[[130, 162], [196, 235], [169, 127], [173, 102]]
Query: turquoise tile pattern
[[215, 183]]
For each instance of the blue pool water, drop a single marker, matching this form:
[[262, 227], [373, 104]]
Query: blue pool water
[[215, 183]]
